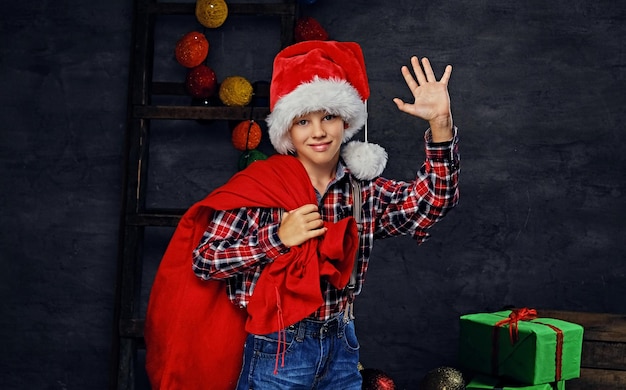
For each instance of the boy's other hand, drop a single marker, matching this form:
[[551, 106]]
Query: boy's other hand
[[300, 225]]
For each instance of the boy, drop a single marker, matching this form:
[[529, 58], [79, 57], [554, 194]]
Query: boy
[[317, 101], [280, 251]]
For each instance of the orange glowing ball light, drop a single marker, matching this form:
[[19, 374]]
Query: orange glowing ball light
[[246, 135]]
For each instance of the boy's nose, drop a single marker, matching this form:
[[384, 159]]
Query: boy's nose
[[318, 129]]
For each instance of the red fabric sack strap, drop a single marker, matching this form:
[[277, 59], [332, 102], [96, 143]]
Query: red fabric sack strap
[[288, 289]]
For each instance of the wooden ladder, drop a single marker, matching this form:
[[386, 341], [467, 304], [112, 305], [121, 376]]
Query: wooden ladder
[[135, 217]]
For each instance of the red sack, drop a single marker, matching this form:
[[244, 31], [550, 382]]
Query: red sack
[[194, 335]]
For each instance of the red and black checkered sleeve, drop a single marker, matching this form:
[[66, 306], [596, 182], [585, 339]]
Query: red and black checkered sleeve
[[235, 241], [413, 207]]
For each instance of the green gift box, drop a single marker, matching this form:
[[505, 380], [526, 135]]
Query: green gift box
[[488, 382], [530, 350]]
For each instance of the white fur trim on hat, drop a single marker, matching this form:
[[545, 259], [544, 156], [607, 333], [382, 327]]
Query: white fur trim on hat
[[334, 96]]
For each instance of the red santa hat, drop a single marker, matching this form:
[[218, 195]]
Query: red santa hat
[[324, 75]]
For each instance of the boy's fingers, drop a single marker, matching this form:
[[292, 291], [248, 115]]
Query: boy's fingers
[[446, 74], [430, 75], [417, 69], [408, 78]]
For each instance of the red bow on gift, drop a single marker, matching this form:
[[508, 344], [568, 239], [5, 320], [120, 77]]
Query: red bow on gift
[[523, 314]]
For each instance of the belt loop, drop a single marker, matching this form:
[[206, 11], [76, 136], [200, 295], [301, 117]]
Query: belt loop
[[341, 325], [348, 313], [301, 331]]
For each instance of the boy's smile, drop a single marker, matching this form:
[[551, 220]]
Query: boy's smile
[[317, 138], [321, 147]]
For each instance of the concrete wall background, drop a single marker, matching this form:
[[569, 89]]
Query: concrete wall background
[[537, 92]]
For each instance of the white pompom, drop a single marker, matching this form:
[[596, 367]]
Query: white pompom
[[365, 160]]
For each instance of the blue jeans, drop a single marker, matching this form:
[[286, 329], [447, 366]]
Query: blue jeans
[[315, 355]]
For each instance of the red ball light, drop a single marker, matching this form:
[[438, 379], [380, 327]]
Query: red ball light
[[192, 49], [201, 82], [309, 29], [374, 379]]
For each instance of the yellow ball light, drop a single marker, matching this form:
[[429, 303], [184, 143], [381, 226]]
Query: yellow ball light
[[235, 91], [211, 13]]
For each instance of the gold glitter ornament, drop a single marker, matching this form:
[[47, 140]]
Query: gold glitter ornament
[[443, 378], [235, 91], [211, 13]]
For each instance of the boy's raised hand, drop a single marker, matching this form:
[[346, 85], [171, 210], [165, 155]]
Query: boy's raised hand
[[432, 101]]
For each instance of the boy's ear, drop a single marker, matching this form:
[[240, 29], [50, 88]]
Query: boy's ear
[[345, 125]]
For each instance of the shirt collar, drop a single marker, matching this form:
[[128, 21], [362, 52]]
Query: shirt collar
[[342, 172]]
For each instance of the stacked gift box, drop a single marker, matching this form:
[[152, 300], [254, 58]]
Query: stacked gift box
[[515, 349]]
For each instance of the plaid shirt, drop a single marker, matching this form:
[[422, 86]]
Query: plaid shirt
[[239, 243]]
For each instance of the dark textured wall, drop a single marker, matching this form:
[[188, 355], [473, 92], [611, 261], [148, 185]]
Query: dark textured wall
[[537, 92], [63, 74]]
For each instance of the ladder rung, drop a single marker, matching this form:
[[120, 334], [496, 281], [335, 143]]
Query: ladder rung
[[155, 218], [270, 9], [199, 112], [261, 90], [132, 327]]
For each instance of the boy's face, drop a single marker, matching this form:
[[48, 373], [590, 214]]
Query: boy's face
[[317, 138]]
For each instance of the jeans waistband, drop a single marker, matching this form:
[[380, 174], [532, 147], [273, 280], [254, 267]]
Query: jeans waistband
[[317, 328]]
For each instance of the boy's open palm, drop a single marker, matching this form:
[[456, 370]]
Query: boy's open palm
[[432, 101]]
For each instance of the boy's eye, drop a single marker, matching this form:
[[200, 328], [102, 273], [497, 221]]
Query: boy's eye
[[301, 122], [329, 117]]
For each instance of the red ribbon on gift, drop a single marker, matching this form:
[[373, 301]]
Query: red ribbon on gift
[[524, 314], [559, 349], [517, 315]]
